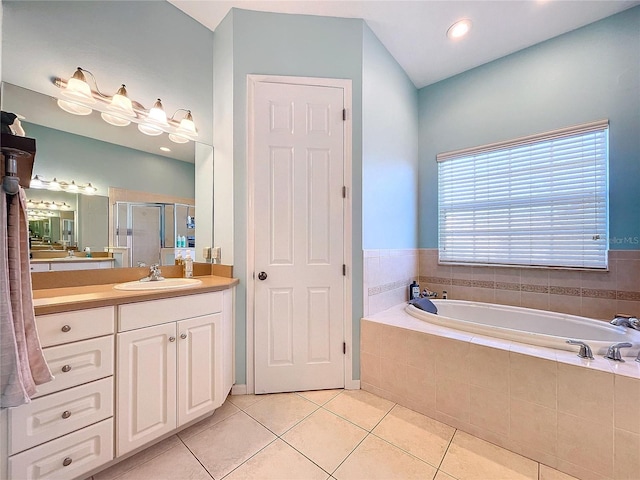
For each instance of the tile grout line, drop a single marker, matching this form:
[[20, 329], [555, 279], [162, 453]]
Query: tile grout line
[[447, 449], [369, 432], [194, 456]]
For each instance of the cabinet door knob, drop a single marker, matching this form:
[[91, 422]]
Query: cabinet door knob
[[183, 336], [66, 328], [172, 339], [66, 414], [66, 368], [67, 461]]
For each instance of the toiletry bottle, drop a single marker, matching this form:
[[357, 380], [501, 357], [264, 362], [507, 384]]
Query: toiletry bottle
[[188, 265], [178, 260], [444, 294], [88, 252], [414, 290]]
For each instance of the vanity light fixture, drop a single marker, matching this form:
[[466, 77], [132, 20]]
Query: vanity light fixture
[[46, 206], [55, 185], [459, 29], [119, 110]]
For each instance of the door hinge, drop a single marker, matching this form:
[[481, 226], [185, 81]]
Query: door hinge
[[344, 270], [344, 114], [344, 348], [344, 191]]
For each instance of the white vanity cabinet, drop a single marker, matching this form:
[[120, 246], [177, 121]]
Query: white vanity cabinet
[[173, 364], [68, 429]]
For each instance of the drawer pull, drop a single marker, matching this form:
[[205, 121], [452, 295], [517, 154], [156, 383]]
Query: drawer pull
[[183, 336], [66, 328], [66, 414], [172, 339], [66, 368], [67, 461]]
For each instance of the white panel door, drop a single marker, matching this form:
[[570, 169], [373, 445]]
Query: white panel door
[[199, 355], [146, 394], [298, 136]]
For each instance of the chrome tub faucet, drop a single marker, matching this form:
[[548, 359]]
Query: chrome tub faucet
[[626, 321]]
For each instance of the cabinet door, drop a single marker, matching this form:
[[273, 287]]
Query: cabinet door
[[199, 361], [146, 395]]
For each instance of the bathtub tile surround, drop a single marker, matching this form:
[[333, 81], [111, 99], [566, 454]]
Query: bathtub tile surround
[[575, 415], [387, 275], [591, 294]]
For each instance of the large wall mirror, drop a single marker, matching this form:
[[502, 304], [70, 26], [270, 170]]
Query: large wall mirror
[[85, 149]]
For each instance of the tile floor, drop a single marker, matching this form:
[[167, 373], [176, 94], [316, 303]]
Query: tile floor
[[324, 435]]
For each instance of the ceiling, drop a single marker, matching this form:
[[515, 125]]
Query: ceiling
[[414, 32]]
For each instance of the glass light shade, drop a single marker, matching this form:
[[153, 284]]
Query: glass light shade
[[157, 114], [177, 138], [54, 185], [78, 88], [72, 187], [188, 126], [74, 108], [89, 189], [114, 120], [120, 102], [149, 130]]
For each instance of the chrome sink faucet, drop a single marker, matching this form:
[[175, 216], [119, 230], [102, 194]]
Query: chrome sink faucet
[[154, 274], [626, 321]]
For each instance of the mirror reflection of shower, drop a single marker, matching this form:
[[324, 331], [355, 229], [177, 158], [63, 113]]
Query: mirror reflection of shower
[[148, 230]]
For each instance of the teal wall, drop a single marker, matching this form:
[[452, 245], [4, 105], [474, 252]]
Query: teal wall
[[295, 45], [389, 150], [588, 74], [74, 157]]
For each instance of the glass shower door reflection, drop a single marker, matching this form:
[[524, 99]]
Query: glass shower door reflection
[[146, 221]]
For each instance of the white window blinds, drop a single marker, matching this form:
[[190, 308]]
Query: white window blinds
[[540, 200]]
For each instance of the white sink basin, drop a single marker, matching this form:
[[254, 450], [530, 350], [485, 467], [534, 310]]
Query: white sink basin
[[166, 284]]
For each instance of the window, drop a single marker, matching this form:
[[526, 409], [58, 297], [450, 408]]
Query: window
[[540, 201]]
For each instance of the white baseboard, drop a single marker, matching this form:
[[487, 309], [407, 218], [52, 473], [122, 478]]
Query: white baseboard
[[239, 390], [352, 385]]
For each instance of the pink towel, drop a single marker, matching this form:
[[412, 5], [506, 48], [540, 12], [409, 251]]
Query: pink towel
[[24, 366]]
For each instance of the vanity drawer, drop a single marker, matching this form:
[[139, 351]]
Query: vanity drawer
[[77, 363], [60, 413], [59, 328], [156, 312], [68, 457]]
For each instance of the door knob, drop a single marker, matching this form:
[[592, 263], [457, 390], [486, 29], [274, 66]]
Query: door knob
[[262, 276]]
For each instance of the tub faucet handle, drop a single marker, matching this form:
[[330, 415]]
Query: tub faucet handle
[[585, 350], [613, 352]]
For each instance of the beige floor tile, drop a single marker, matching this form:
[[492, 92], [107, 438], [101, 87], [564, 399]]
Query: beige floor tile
[[244, 401], [174, 463], [443, 476], [224, 411], [376, 459], [548, 473], [419, 435], [325, 438], [278, 461], [281, 412], [138, 459], [360, 407], [320, 397], [228, 444], [471, 458]]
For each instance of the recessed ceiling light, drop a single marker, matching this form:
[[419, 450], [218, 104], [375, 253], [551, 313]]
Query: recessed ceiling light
[[459, 29], [165, 149]]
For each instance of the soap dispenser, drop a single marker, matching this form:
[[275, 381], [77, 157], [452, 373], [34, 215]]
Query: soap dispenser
[[188, 265], [179, 260]]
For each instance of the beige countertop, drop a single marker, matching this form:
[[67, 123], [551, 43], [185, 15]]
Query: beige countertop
[[57, 300]]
